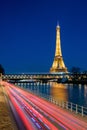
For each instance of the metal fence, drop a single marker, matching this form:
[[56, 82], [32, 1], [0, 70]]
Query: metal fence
[[70, 106], [64, 104]]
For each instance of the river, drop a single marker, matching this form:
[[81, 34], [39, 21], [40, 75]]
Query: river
[[64, 92]]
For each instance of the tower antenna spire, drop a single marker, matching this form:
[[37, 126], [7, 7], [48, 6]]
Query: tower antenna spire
[[57, 23]]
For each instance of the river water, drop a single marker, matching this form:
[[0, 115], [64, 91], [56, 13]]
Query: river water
[[64, 92]]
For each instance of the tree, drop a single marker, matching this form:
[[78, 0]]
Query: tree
[[2, 69]]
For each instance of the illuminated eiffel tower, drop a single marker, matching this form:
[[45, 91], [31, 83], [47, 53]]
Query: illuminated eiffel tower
[[58, 63]]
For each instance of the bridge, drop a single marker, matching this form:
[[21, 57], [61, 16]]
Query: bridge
[[35, 76], [45, 77]]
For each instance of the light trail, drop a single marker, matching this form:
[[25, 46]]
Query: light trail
[[52, 120], [66, 119], [40, 121], [25, 121], [54, 112]]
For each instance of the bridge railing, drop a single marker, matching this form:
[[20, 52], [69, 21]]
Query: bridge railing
[[70, 106]]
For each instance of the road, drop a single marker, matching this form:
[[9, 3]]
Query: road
[[41, 114]]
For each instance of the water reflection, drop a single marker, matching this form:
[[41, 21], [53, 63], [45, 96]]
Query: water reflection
[[85, 94], [66, 92], [77, 95], [59, 91]]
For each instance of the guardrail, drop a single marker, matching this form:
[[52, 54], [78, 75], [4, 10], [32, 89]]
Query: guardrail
[[64, 104], [70, 106]]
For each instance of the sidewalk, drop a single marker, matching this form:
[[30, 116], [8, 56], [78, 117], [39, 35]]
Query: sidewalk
[[7, 121]]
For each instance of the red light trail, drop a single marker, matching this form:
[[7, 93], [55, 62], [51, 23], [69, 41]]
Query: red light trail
[[45, 114]]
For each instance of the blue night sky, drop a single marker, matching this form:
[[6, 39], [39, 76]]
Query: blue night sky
[[28, 34]]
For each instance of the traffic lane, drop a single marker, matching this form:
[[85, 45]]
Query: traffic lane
[[58, 124], [21, 114], [76, 122], [67, 123], [39, 116], [58, 112], [47, 103], [52, 114], [45, 114], [18, 120]]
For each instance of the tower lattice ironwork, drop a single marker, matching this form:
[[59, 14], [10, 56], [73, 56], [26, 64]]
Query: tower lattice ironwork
[[58, 63]]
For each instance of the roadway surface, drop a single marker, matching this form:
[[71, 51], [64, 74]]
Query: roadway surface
[[39, 114]]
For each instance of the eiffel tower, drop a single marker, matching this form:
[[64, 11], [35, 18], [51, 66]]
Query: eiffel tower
[[58, 63]]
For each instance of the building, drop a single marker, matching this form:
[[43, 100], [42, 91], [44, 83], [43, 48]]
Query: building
[[58, 63]]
